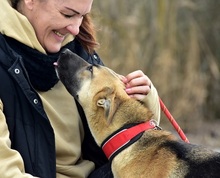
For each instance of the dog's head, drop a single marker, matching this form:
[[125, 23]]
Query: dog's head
[[94, 86]]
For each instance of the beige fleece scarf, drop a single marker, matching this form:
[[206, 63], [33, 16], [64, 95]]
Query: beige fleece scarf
[[17, 26]]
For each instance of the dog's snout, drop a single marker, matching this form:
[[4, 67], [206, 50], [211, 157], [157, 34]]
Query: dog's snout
[[63, 55]]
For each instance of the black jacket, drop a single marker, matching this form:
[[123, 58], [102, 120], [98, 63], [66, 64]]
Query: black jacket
[[30, 131]]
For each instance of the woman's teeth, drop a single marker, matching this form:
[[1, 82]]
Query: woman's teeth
[[58, 34]]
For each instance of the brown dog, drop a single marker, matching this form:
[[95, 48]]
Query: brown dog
[[124, 128]]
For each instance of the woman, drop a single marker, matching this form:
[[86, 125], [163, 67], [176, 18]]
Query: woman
[[42, 129]]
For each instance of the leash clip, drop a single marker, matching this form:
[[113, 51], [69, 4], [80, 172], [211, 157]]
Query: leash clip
[[158, 127], [155, 124]]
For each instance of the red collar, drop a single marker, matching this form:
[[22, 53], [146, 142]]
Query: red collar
[[121, 138]]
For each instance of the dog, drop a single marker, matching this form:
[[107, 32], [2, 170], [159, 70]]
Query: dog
[[125, 129]]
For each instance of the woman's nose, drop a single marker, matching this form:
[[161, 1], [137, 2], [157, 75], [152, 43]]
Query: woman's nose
[[73, 28]]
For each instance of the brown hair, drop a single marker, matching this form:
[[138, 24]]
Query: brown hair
[[87, 35]]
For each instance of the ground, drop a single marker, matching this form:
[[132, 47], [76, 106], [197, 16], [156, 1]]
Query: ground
[[207, 134]]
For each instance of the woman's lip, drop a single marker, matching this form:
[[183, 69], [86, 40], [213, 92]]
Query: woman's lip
[[58, 36]]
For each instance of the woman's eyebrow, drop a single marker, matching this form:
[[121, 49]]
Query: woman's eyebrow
[[72, 10]]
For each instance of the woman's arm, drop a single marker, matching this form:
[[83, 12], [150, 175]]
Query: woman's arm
[[11, 163]]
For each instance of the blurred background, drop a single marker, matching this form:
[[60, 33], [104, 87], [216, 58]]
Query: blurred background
[[177, 44]]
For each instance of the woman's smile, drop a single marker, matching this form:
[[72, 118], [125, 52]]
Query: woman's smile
[[59, 34]]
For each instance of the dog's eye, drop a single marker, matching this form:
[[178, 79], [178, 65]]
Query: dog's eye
[[90, 68]]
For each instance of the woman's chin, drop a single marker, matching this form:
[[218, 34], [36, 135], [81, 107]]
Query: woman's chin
[[53, 48]]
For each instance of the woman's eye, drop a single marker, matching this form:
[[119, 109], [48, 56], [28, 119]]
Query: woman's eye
[[68, 16], [90, 68]]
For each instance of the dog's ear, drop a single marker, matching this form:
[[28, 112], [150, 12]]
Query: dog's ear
[[110, 106], [106, 104]]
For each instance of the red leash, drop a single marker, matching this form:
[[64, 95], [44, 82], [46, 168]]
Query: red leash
[[173, 122]]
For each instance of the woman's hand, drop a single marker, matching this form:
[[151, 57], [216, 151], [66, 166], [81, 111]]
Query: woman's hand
[[138, 85]]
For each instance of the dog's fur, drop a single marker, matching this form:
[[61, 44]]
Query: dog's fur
[[157, 154]]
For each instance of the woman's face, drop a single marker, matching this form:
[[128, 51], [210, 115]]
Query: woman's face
[[53, 20]]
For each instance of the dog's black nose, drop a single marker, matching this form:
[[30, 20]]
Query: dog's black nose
[[65, 51]]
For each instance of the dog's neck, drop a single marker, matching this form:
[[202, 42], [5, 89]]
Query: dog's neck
[[124, 137], [130, 126]]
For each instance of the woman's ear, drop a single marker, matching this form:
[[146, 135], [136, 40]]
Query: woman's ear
[[29, 4]]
